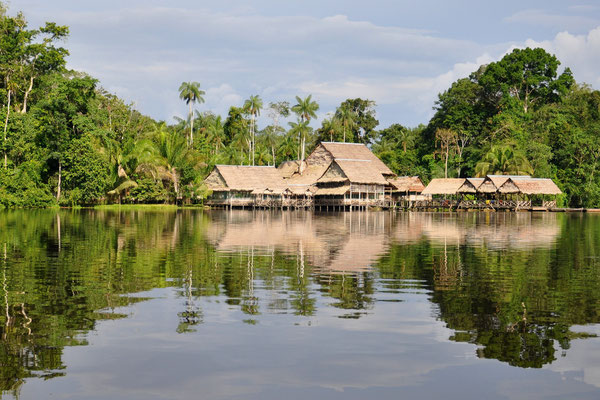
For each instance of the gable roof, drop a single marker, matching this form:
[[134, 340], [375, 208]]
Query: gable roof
[[354, 171], [407, 184], [355, 151], [444, 186], [249, 178], [530, 186], [492, 183], [470, 185]]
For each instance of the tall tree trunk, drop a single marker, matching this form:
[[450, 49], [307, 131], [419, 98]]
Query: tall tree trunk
[[59, 180], [344, 133], [175, 183], [252, 146], [191, 141], [6, 128], [24, 109], [446, 165]]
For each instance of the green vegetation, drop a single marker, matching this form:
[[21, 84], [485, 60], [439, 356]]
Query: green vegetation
[[66, 141]]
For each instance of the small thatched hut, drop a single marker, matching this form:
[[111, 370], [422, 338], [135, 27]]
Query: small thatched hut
[[532, 188], [239, 185], [406, 188]]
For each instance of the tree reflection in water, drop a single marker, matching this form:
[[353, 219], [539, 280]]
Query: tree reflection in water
[[512, 284]]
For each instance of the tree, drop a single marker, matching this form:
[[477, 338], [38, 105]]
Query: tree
[[446, 139], [190, 92], [503, 160], [460, 109], [276, 111], [300, 130], [528, 76], [329, 130], [60, 115], [347, 118], [364, 120], [252, 106], [171, 157], [305, 109]]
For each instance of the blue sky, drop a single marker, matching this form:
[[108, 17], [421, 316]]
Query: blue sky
[[400, 54]]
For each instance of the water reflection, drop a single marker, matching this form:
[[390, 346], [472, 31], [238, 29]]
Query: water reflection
[[512, 284]]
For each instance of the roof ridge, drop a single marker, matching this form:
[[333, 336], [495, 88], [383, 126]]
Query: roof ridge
[[357, 144]]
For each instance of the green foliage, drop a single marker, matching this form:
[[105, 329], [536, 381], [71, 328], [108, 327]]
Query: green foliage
[[364, 121], [21, 187], [147, 191], [86, 173], [517, 115]]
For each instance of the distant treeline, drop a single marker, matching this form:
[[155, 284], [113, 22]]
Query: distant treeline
[[67, 141]]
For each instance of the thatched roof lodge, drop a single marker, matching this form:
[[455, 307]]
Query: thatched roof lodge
[[340, 173]]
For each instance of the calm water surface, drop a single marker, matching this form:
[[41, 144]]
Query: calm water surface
[[272, 305]]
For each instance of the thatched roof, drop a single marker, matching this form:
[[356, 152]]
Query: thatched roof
[[470, 185], [355, 151], [492, 183], [353, 171], [244, 178], [299, 190], [333, 191], [289, 168], [444, 186], [530, 186], [407, 184], [309, 175]]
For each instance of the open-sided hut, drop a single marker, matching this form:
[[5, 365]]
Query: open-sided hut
[[468, 192], [492, 183], [406, 188], [526, 189], [351, 183], [240, 185], [444, 188]]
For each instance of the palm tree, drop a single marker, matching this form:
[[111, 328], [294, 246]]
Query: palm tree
[[216, 134], [301, 130], [253, 106], [169, 155], [305, 109], [271, 140], [191, 93], [330, 127], [287, 147], [347, 118], [405, 138], [503, 160]]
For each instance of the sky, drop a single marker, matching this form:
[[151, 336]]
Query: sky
[[400, 54]]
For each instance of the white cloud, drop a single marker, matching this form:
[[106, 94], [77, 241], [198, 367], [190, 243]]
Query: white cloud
[[558, 21], [579, 52], [143, 53]]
